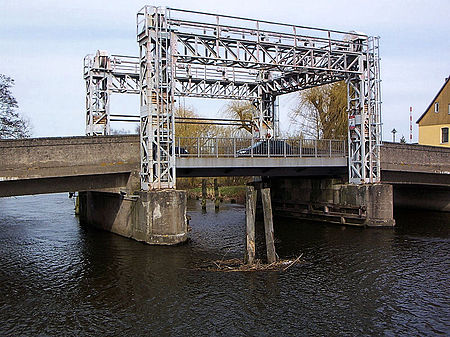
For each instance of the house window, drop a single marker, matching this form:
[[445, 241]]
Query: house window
[[444, 132], [449, 109], [436, 107]]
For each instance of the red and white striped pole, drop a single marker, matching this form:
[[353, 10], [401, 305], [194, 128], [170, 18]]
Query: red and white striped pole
[[410, 124]]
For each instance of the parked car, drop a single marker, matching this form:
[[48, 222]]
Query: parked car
[[276, 146]]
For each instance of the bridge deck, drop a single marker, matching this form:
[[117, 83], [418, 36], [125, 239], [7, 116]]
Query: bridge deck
[[256, 166], [415, 164]]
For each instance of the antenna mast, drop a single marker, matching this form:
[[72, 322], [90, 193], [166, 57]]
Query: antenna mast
[[410, 125]]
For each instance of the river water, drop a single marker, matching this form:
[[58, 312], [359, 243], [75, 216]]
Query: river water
[[58, 277]]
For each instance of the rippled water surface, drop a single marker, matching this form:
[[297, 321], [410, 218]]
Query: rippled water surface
[[58, 277]]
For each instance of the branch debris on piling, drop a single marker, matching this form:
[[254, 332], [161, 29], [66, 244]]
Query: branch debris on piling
[[236, 265]]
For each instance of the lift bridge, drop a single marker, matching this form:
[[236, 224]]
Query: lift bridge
[[186, 53]]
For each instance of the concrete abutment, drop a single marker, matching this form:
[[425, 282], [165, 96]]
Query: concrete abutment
[[153, 217], [333, 200]]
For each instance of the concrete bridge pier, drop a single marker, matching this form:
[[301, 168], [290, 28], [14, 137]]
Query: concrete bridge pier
[[376, 199], [333, 200], [153, 217]]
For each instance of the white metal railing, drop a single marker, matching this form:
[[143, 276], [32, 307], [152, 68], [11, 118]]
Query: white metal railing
[[248, 147]]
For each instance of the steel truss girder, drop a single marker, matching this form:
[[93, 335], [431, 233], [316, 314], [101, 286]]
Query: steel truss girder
[[225, 52], [292, 82], [216, 89]]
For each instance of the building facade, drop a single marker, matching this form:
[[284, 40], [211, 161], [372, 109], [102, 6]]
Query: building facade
[[434, 124]]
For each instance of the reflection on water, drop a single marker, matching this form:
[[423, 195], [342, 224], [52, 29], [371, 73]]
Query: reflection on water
[[58, 276]]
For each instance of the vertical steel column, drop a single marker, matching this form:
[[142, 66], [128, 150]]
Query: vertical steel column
[[97, 103], [355, 137], [276, 117], [107, 99], [364, 109], [90, 97], [375, 103], [157, 136], [265, 106]]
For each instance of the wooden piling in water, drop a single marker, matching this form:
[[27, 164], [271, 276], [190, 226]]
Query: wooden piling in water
[[216, 195], [77, 205], [268, 225], [204, 194], [250, 210]]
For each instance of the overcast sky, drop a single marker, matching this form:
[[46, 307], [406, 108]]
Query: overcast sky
[[42, 45]]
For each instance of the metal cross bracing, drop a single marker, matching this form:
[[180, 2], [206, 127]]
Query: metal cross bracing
[[194, 54], [105, 75]]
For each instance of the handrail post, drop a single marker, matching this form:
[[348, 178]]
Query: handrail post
[[268, 148], [251, 149], [284, 148], [300, 145], [345, 148], [330, 148], [217, 147], [198, 147], [315, 147], [234, 147]]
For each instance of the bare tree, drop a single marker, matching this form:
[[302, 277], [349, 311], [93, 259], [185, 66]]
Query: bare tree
[[12, 125], [192, 125], [242, 111], [322, 112], [121, 131]]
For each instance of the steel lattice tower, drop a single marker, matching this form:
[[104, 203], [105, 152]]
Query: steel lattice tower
[[157, 135], [105, 75], [194, 54]]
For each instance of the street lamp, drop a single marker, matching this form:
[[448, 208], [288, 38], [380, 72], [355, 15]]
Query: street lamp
[[393, 134]]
